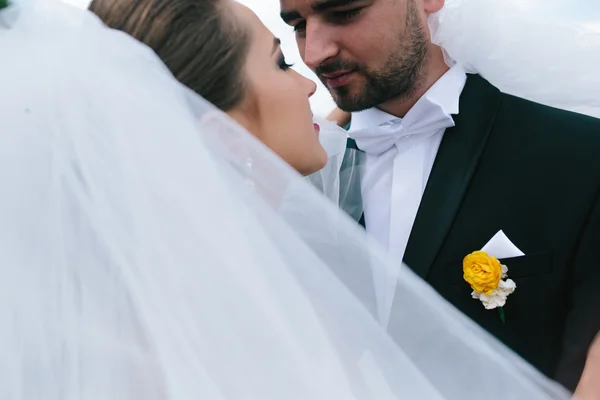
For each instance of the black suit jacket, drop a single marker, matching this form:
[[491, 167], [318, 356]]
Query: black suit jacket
[[534, 172]]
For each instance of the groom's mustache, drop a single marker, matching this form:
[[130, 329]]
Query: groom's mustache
[[337, 66]]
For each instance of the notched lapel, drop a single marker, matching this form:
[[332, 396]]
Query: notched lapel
[[452, 171]]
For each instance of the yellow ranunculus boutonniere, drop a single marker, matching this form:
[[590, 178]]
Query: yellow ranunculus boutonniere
[[485, 274]]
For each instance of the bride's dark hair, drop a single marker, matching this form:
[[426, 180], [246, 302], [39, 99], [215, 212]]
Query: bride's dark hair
[[200, 41]]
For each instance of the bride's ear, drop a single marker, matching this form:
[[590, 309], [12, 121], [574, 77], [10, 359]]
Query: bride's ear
[[433, 6]]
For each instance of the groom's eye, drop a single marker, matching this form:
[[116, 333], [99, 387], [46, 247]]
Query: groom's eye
[[336, 17], [300, 27]]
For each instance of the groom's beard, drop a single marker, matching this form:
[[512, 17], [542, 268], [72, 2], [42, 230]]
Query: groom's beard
[[398, 78]]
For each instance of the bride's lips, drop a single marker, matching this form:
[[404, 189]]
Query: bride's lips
[[316, 127], [338, 78]]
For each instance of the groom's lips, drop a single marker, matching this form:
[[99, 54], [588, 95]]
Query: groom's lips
[[336, 79]]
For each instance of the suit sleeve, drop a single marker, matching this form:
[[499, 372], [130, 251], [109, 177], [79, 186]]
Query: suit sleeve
[[583, 321]]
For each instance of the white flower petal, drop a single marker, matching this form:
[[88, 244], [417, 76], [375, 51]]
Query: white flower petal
[[507, 287], [499, 296], [494, 300]]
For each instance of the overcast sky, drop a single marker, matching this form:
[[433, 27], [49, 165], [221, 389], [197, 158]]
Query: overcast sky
[[582, 11]]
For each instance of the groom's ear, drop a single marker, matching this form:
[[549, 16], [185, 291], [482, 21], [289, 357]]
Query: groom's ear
[[433, 6]]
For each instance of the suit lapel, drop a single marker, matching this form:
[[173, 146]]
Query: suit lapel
[[452, 171]]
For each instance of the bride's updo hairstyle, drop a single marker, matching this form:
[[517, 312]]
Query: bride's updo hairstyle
[[200, 41]]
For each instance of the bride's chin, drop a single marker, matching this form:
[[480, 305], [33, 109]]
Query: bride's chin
[[319, 160], [322, 159]]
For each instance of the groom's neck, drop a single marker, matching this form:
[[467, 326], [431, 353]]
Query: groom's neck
[[435, 67]]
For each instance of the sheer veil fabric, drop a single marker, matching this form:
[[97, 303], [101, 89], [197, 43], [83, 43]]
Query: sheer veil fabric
[[521, 53], [152, 249]]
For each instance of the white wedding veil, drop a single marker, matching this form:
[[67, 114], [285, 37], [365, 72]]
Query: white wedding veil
[[152, 249], [521, 53]]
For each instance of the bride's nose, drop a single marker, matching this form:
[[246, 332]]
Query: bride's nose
[[309, 86]]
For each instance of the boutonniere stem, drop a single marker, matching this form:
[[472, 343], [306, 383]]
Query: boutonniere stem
[[502, 316]]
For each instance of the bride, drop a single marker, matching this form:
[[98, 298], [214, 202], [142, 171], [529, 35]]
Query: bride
[[154, 250], [223, 52]]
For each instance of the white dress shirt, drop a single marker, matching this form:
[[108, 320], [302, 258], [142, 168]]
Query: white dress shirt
[[400, 156]]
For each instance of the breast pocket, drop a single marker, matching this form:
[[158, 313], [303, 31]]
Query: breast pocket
[[519, 268]]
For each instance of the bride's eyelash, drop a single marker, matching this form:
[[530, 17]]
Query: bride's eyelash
[[282, 64]]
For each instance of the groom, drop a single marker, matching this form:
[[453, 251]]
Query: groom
[[451, 161]]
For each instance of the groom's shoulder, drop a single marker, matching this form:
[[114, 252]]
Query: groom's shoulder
[[550, 136], [572, 129], [544, 133], [554, 123], [520, 111], [545, 114]]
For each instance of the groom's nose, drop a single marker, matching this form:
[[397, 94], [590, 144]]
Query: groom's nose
[[319, 45]]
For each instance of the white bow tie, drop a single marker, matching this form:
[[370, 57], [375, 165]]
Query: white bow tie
[[422, 122]]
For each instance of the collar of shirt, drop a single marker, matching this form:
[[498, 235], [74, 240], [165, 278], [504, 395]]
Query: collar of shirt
[[443, 96]]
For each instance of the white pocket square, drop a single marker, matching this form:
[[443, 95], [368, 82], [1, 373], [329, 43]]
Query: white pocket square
[[500, 246]]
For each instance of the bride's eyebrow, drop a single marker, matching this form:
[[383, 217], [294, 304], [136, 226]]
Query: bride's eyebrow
[[276, 44]]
